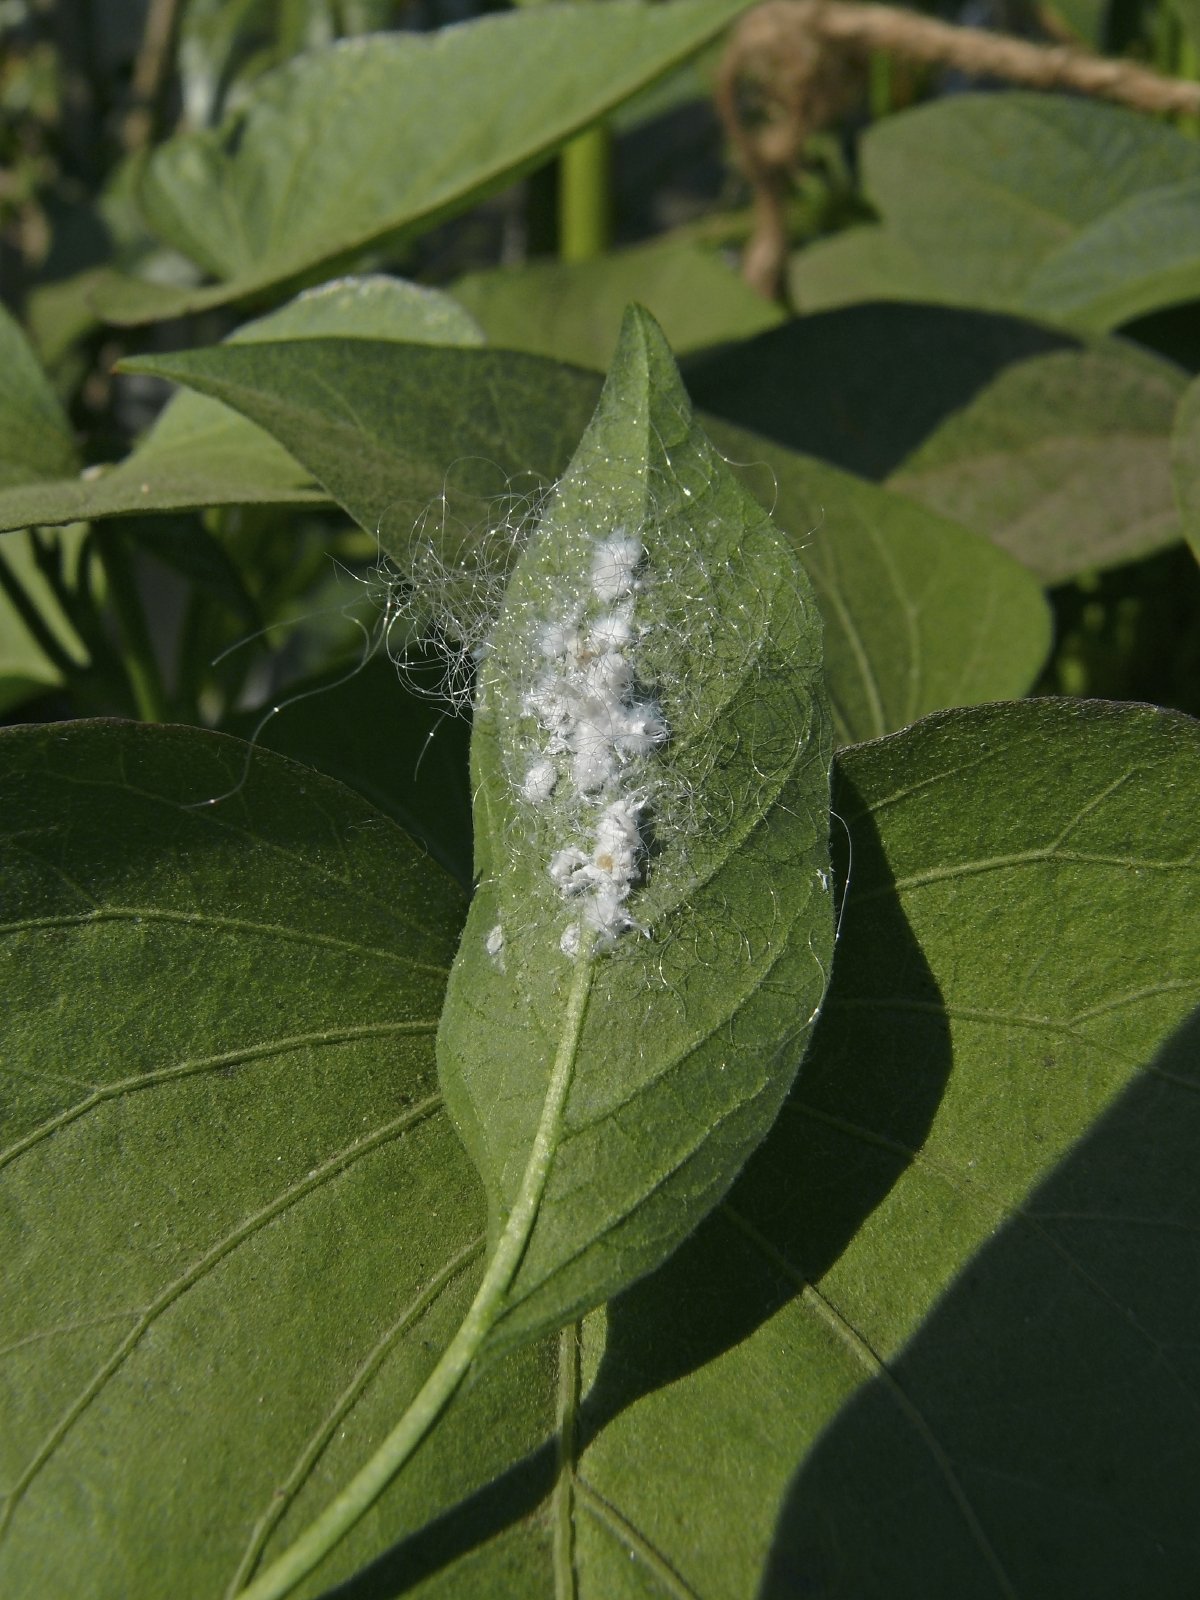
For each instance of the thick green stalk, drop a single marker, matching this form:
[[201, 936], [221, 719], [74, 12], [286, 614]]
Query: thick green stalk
[[585, 196], [322, 1534]]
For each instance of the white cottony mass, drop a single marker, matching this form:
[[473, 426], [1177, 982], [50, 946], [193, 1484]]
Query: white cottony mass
[[596, 732]]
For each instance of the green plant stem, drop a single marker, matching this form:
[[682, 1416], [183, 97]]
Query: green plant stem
[[879, 84], [39, 630], [324, 1532], [585, 196], [141, 668]]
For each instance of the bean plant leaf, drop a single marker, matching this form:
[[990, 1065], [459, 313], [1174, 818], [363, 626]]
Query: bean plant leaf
[[1141, 255], [1055, 448], [987, 201], [199, 453], [1185, 462], [954, 1351], [952, 1265], [919, 613], [219, 1096], [573, 310], [610, 855], [346, 146]]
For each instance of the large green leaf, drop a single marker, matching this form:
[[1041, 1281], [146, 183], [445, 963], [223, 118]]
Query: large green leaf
[[200, 453], [918, 613], [219, 1102], [1058, 450], [939, 1339], [1063, 460], [346, 146], [645, 1096], [954, 1352], [572, 310], [1143, 254], [1037, 204]]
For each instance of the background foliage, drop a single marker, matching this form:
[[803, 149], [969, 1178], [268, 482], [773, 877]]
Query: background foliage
[[362, 272]]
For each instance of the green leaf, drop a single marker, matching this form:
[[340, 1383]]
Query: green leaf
[[961, 1262], [1185, 462], [219, 1097], [417, 775], [1141, 255], [981, 194], [665, 1081], [919, 613], [1055, 448], [25, 668], [344, 147], [572, 310], [200, 453], [952, 1349], [392, 433], [35, 435], [1063, 460]]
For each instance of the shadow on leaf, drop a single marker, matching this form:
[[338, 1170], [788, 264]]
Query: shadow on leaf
[[1040, 1436], [865, 1098], [864, 386]]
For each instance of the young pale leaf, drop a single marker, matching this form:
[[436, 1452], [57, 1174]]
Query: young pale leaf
[[621, 1031]]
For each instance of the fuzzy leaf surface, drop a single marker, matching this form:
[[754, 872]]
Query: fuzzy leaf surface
[[219, 1105], [962, 1262], [919, 613], [347, 146], [674, 1079]]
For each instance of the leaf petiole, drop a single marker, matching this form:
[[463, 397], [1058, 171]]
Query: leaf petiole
[[439, 1388]]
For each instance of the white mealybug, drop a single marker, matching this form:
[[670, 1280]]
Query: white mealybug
[[596, 731], [615, 564], [541, 779]]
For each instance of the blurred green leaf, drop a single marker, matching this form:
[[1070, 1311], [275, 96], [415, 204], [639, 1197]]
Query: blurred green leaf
[[1055, 448], [345, 147], [36, 440], [36, 443], [572, 311], [989, 201], [1143, 254]]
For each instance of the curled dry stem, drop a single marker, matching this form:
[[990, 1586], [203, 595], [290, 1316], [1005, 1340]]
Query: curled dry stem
[[793, 66]]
